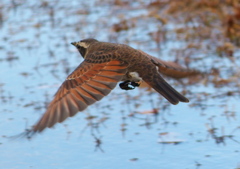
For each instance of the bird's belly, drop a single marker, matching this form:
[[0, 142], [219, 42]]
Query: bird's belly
[[132, 76]]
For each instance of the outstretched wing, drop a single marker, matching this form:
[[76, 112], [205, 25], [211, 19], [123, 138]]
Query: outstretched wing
[[86, 85]]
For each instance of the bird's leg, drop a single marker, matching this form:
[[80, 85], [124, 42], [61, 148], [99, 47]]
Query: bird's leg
[[135, 84], [128, 85], [125, 85]]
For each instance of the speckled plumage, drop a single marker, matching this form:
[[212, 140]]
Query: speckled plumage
[[104, 65]]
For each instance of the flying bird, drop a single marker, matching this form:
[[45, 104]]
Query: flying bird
[[105, 64]]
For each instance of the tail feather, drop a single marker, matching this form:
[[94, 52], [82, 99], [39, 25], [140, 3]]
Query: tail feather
[[167, 91]]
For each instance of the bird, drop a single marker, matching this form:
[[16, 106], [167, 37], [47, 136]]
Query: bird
[[104, 66]]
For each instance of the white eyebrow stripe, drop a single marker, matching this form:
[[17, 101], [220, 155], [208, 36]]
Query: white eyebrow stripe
[[84, 44]]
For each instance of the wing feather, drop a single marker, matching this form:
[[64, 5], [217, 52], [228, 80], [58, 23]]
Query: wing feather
[[86, 85]]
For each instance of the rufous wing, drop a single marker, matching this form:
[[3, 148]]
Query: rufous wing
[[87, 84]]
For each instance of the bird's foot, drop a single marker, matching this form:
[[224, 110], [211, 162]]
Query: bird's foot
[[127, 85]]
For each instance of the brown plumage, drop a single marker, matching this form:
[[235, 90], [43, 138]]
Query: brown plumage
[[172, 69], [104, 65]]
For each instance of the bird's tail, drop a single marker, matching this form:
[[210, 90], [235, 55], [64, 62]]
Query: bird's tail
[[167, 91]]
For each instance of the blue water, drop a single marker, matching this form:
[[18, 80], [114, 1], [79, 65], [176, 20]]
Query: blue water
[[42, 57]]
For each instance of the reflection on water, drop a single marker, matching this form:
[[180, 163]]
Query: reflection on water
[[125, 128]]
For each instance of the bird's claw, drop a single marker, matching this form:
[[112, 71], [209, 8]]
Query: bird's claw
[[127, 85]]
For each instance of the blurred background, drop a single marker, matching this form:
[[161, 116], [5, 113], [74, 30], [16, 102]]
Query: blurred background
[[127, 129]]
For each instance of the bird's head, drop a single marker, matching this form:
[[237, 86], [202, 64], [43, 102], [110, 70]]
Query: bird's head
[[83, 45]]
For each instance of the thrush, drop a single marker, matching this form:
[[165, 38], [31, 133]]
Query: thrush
[[106, 64]]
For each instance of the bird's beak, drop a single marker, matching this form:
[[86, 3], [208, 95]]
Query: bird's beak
[[74, 43]]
